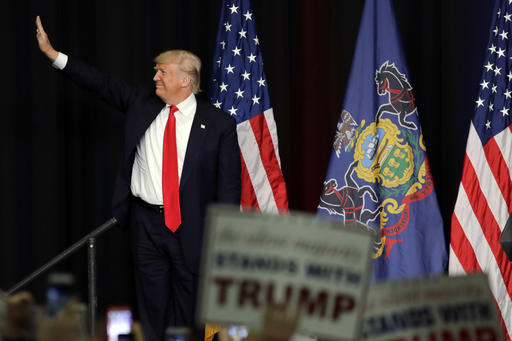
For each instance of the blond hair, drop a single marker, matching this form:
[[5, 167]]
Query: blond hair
[[186, 61]]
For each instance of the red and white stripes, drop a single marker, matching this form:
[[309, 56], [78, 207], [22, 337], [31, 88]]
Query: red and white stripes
[[483, 206], [263, 185]]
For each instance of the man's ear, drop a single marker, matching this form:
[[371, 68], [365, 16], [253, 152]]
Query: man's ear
[[186, 81]]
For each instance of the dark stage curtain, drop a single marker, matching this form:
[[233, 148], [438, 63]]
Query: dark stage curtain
[[60, 145]]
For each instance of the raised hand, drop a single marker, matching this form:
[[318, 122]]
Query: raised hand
[[44, 43]]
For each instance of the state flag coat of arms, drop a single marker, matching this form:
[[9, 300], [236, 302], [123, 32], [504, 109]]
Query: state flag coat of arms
[[378, 176]]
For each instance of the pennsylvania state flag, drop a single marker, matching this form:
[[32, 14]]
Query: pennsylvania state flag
[[378, 176]]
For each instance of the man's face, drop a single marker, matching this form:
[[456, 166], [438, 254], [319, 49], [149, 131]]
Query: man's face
[[170, 82]]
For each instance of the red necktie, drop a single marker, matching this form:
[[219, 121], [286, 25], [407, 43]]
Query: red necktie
[[170, 180]]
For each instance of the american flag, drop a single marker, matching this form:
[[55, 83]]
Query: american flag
[[239, 87], [484, 201]]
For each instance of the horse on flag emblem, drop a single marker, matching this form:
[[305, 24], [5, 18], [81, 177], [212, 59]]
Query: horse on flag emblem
[[348, 200], [401, 100]]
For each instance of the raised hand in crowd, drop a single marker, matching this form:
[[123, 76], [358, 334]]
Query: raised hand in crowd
[[279, 324]]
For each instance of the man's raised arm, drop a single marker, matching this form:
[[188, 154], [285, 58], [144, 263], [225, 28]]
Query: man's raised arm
[[44, 43], [110, 89]]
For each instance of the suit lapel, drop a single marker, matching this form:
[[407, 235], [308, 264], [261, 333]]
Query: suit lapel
[[195, 142], [142, 122]]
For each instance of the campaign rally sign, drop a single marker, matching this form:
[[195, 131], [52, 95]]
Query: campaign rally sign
[[251, 260], [432, 309]]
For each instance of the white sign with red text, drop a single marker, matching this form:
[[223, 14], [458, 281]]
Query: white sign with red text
[[437, 308], [319, 267]]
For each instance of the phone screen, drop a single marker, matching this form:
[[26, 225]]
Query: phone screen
[[119, 321], [58, 292]]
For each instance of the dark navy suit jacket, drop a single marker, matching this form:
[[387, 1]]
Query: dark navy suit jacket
[[211, 170]]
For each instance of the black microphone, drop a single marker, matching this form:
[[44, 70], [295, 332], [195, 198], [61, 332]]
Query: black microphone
[[506, 238]]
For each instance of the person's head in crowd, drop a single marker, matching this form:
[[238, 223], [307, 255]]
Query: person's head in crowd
[[17, 320], [20, 320], [69, 324]]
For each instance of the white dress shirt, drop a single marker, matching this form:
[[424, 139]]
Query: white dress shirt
[[146, 182]]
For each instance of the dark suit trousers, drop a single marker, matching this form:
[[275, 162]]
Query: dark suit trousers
[[166, 289]]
